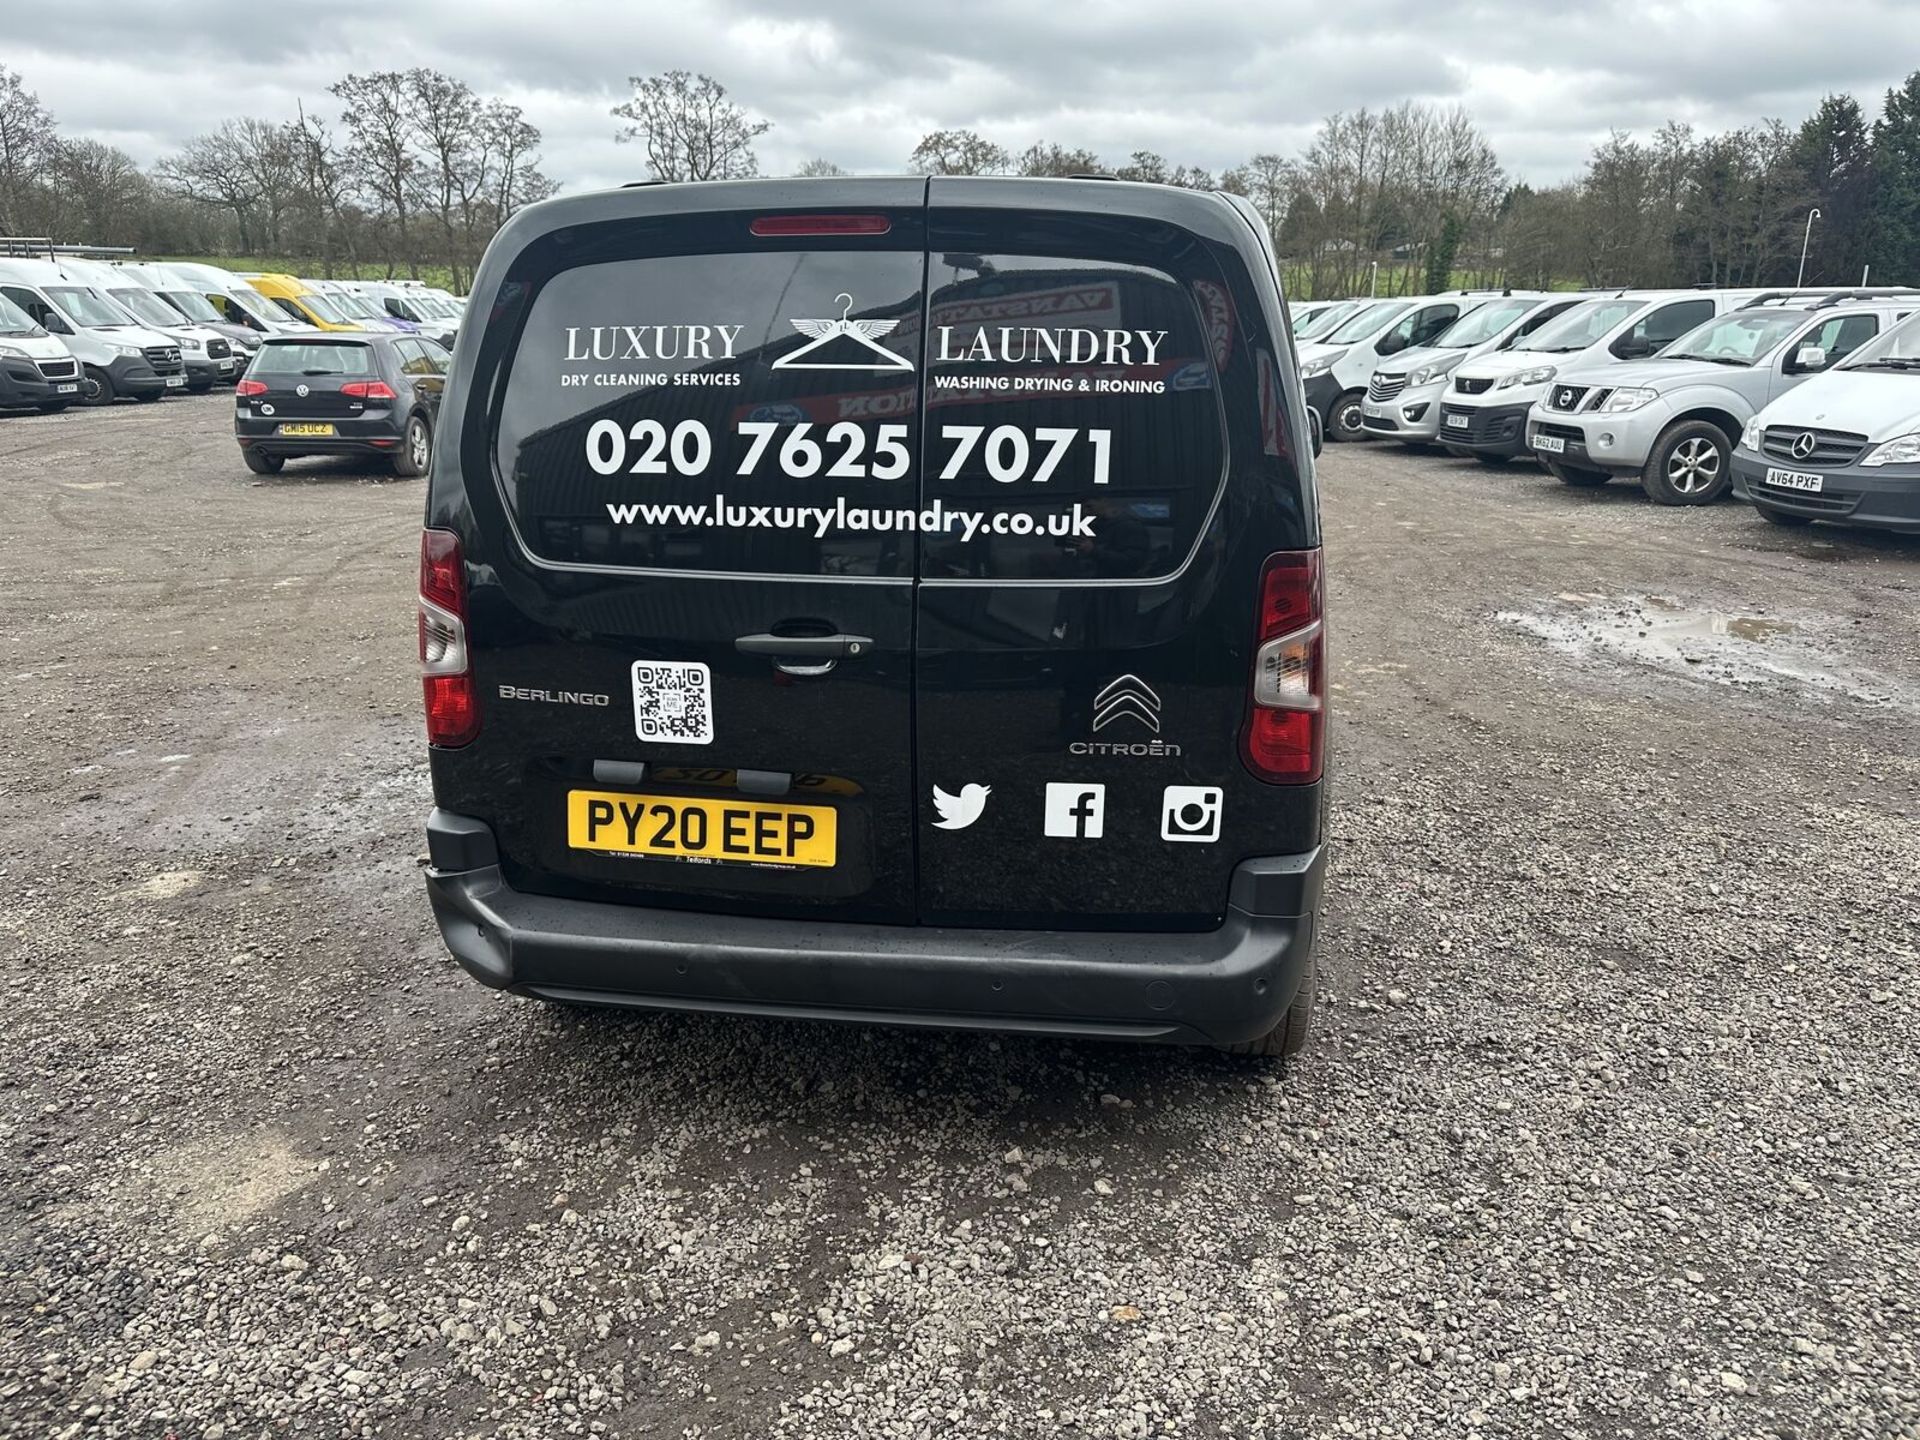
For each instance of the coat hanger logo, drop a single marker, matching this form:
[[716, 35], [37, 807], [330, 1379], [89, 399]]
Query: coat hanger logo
[[864, 333]]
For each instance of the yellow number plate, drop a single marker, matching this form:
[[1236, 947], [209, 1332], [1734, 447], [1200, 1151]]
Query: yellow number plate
[[683, 828], [306, 429]]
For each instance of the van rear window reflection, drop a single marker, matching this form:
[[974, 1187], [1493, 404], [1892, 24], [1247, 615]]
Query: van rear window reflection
[[734, 412], [1073, 405]]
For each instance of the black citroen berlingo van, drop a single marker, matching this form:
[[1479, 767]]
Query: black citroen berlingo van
[[894, 600]]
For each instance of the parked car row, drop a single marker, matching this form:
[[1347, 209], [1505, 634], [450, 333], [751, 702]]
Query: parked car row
[[1805, 403], [89, 332]]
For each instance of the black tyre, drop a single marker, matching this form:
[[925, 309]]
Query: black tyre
[[263, 464], [1783, 517], [96, 387], [1575, 475], [1491, 459], [54, 407], [1691, 464], [1289, 1037], [1347, 422], [416, 449]]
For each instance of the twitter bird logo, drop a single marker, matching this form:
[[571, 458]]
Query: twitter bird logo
[[957, 812]]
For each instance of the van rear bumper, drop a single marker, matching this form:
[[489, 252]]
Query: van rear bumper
[[1218, 987]]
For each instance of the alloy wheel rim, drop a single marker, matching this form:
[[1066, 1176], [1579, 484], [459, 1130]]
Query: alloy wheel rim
[[417, 444], [1694, 466]]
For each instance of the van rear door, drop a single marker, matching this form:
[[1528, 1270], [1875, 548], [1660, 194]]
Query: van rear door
[[693, 608], [1107, 451]]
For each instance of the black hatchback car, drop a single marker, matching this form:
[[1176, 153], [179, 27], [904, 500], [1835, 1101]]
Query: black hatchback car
[[341, 393], [886, 599]]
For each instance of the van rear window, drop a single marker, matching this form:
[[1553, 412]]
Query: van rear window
[[1073, 417], [763, 413], [733, 412]]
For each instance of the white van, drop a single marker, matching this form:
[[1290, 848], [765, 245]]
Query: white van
[[192, 306], [36, 370], [1336, 368], [236, 300], [1403, 395], [432, 315], [207, 354], [117, 356], [1845, 445], [1484, 412]]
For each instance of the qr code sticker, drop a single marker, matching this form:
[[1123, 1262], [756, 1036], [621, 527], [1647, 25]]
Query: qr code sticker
[[673, 702]]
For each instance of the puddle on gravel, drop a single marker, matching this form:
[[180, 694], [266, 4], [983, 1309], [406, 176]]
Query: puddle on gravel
[[1748, 651]]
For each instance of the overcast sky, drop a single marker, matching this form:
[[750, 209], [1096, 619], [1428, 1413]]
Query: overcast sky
[[1206, 82]]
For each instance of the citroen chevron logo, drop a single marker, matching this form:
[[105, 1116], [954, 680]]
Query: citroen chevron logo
[[1129, 697]]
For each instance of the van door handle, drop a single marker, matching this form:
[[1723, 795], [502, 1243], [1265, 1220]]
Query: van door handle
[[815, 648]]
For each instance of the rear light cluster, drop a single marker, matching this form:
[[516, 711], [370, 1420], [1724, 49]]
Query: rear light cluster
[[250, 387], [1284, 741], [453, 702], [368, 390]]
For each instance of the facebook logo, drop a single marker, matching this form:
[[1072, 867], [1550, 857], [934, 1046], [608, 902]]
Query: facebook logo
[[1076, 812]]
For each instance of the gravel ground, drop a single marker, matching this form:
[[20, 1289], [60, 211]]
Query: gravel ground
[[1608, 1129]]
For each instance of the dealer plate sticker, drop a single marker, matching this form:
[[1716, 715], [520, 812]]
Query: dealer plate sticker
[[673, 702], [1457, 421], [1794, 480], [681, 827], [1551, 444]]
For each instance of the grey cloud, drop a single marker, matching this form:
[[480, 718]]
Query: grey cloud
[[1206, 82]]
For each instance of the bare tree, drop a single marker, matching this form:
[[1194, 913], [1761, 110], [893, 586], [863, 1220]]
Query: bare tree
[[691, 130], [380, 132], [514, 144], [820, 169], [1051, 159], [214, 170], [453, 178], [958, 152], [326, 185], [101, 188], [26, 145]]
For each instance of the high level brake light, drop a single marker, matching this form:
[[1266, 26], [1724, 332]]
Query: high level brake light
[[1285, 736], [446, 668], [777, 226]]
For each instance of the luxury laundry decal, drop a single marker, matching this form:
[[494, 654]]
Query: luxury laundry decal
[[1011, 344], [651, 342]]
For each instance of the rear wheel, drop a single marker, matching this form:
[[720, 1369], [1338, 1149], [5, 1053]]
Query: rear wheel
[[96, 387], [1493, 460], [1783, 517], [1574, 475], [1289, 1037], [1348, 421], [263, 464], [416, 451], [1691, 464]]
